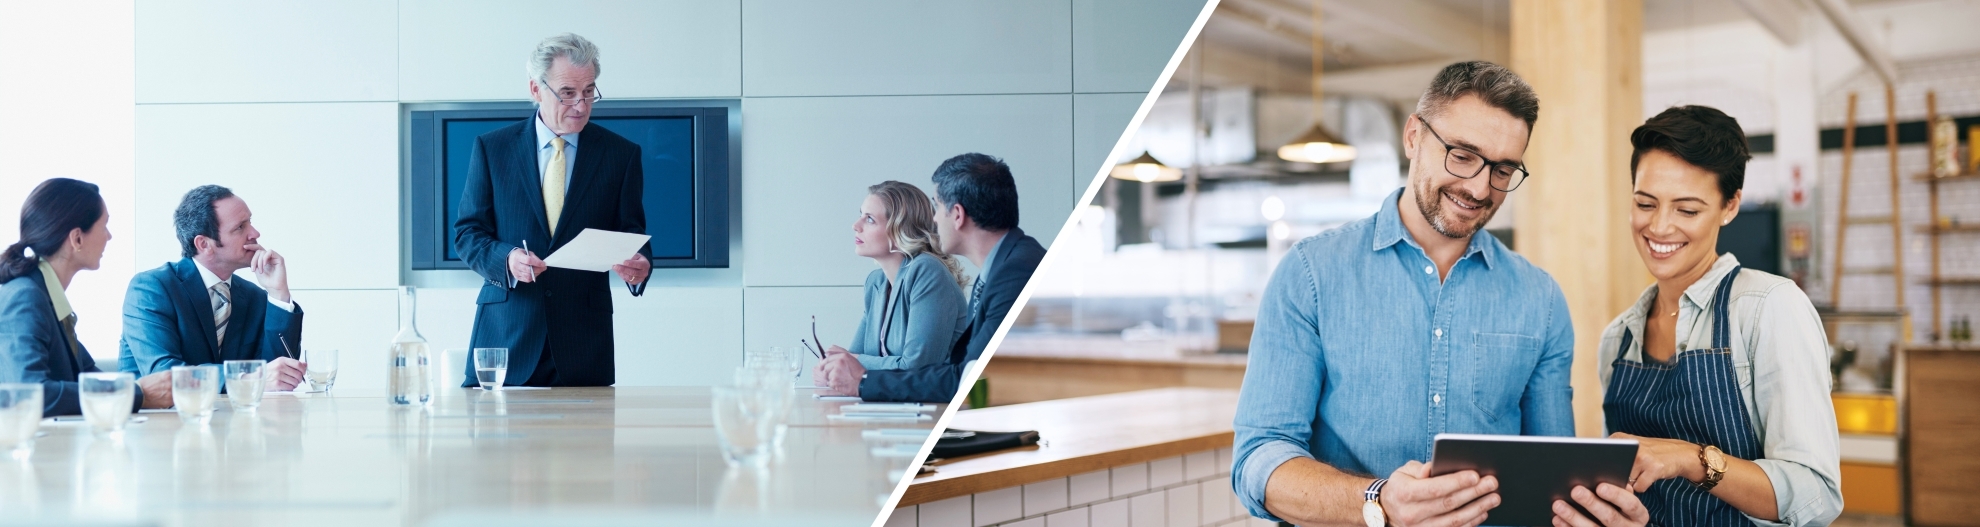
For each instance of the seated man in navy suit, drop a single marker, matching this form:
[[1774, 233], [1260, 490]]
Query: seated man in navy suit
[[197, 311], [976, 217]]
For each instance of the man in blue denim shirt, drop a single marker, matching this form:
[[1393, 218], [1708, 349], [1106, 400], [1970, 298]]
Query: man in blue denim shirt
[[1374, 337]]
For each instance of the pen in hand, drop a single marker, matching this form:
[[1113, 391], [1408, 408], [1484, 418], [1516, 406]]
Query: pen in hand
[[286, 352], [532, 269]]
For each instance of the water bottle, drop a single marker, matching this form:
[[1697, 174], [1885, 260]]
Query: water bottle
[[406, 372]]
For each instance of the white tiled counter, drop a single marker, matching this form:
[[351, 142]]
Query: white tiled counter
[[1155, 458]]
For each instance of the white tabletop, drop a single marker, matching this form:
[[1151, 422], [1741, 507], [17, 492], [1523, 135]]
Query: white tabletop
[[578, 456]]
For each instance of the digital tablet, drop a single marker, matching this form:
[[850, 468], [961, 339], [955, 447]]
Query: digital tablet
[[1534, 471]]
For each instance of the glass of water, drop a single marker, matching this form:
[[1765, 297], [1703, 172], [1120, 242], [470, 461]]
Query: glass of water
[[244, 383], [194, 390], [20, 418], [322, 372], [491, 366], [107, 400], [742, 423]]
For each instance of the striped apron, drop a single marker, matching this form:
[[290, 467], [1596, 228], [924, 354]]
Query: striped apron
[[1693, 398]]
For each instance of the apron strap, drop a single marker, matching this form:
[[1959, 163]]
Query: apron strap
[[1721, 312]]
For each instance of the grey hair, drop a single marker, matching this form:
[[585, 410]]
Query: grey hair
[[1494, 84], [579, 51]]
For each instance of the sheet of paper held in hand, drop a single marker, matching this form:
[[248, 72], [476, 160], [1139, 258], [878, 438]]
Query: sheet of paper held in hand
[[596, 250]]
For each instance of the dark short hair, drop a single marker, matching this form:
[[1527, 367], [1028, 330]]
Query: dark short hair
[[195, 216], [53, 209], [1703, 137], [983, 186], [1492, 83]]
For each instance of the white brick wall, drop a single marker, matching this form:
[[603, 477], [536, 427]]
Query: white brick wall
[[1193, 490], [1957, 82]]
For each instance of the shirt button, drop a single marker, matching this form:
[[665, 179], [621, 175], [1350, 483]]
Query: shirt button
[[1439, 332], [1429, 269], [1436, 399]]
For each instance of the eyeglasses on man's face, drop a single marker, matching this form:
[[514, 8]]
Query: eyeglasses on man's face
[[1466, 163], [570, 97]]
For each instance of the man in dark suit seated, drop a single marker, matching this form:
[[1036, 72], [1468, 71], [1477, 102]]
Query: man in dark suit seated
[[198, 311], [535, 185], [976, 216]]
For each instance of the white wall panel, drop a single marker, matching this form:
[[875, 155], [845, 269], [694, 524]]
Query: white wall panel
[[1099, 120], [250, 51], [901, 47], [677, 336], [321, 179], [779, 316], [1122, 45], [359, 324], [805, 192], [476, 50]]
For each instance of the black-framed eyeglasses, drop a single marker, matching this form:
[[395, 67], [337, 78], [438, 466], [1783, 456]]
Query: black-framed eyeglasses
[[1466, 164], [590, 95]]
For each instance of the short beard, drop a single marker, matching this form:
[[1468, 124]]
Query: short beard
[[1430, 202]]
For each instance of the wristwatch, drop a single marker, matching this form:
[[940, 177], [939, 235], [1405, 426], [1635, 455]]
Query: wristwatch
[[1371, 510], [1715, 466]]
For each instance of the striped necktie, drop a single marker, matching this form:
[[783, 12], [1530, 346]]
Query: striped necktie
[[223, 306], [975, 295]]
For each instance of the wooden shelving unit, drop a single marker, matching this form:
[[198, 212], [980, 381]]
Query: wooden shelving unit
[[1935, 231]]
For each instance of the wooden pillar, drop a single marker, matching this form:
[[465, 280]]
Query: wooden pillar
[[1585, 58]]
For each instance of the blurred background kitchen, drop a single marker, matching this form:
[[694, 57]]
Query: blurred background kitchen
[[1158, 283]]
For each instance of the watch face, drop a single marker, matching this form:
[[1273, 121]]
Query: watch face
[[1715, 459], [1371, 513]]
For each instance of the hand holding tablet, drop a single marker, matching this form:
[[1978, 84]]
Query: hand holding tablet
[[1538, 476]]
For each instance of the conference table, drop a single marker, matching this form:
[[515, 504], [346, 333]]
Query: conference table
[[564, 456]]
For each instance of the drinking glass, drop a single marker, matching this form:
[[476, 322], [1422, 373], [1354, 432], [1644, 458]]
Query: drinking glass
[[794, 356], [742, 424], [776, 391], [107, 398], [194, 390], [244, 383], [322, 372], [491, 365], [20, 418]]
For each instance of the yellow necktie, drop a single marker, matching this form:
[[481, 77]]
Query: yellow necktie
[[553, 183]]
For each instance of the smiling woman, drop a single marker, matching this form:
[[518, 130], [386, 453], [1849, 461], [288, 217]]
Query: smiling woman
[[1703, 368]]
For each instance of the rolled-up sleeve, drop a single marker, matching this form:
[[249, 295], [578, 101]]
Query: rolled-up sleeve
[[1796, 416], [1278, 402]]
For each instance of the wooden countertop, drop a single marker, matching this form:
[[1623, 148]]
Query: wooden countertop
[[648, 455], [1105, 349], [1082, 435]]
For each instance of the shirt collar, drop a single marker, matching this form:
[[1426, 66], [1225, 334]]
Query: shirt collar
[[1389, 230], [207, 277], [543, 134], [991, 259], [1700, 292], [55, 294]]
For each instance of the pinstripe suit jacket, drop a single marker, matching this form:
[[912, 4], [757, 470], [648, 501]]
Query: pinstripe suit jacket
[[564, 317]]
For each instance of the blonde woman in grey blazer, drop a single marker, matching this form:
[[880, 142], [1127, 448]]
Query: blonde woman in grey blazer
[[915, 309]]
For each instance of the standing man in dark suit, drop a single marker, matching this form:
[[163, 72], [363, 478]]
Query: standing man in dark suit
[[535, 185], [976, 217], [198, 311]]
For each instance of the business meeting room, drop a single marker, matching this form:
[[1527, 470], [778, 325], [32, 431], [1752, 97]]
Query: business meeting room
[[448, 262]]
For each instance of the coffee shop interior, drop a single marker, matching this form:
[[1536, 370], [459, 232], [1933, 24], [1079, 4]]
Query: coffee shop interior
[[1860, 114]]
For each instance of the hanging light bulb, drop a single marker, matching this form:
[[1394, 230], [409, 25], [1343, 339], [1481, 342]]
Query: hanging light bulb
[[1317, 145], [1146, 170]]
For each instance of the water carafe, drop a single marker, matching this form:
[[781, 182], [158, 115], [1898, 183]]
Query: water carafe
[[407, 360]]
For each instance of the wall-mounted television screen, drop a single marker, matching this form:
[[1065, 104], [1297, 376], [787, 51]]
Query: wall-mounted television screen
[[687, 149]]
